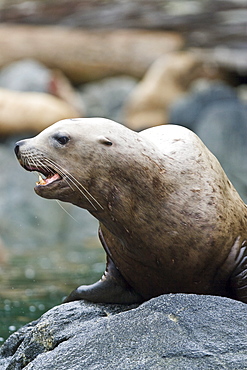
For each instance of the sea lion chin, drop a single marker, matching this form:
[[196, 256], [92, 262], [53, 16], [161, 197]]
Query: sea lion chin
[[169, 219]]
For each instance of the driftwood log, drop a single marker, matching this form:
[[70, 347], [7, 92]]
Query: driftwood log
[[87, 55]]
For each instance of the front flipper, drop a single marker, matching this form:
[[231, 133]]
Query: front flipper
[[238, 278], [111, 288]]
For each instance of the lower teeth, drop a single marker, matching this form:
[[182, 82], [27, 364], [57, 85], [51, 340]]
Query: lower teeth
[[41, 181]]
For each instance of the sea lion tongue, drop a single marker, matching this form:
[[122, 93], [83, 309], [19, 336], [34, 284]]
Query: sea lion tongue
[[48, 180]]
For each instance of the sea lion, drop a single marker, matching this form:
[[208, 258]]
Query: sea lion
[[31, 111], [170, 220]]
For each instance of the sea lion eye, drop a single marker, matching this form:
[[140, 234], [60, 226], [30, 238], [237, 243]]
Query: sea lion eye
[[61, 139]]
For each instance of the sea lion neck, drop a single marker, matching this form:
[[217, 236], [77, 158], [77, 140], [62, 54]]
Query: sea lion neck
[[127, 200]]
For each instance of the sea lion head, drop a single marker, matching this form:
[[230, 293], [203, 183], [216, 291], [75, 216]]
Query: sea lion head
[[79, 160]]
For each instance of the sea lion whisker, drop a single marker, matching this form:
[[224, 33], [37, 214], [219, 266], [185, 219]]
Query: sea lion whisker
[[75, 182], [27, 160], [66, 180], [54, 169], [30, 161], [81, 191], [49, 166], [45, 167], [60, 205], [62, 172]]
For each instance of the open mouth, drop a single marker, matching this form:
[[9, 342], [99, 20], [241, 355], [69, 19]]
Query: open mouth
[[47, 179], [46, 176]]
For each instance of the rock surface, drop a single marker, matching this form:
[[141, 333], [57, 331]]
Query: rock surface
[[107, 97], [169, 332], [25, 75], [215, 113]]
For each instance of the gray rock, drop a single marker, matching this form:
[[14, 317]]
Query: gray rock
[[216, 114], [25, 75], [175, 331], [106, 98]]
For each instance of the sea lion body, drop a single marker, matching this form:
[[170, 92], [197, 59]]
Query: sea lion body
[[170, 220]]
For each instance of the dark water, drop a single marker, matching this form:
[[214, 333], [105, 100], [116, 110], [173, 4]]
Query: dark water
[[33, 282]]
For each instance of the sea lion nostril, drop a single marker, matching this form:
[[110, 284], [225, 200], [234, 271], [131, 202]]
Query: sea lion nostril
[[16, 149]]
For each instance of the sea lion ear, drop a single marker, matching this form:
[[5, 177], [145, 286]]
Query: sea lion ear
[[103, 140]]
